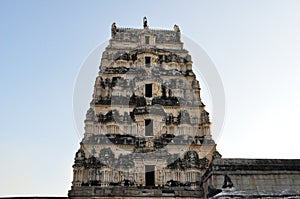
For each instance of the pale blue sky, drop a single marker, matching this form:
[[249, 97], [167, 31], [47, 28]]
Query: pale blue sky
[[255, 45]]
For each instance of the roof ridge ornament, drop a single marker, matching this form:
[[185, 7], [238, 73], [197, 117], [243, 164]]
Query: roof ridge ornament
[[145, 23]]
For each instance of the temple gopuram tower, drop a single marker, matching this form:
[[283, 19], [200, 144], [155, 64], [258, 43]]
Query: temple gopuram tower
[[147, 133]]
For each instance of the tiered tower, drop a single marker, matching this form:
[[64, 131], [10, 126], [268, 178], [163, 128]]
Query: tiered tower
[[146, 130]]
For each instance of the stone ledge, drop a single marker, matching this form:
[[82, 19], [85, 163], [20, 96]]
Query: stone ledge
[[30, 197], [256, 164], [132, 192]]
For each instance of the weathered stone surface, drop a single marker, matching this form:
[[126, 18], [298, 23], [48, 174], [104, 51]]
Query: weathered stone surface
[[146, 112]]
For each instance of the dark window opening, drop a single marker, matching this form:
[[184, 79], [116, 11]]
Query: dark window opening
[[148, 127], [148, 90], [150, 175], [161, 58], [170, 93], [147, 61], [163, 91], [147, 39]]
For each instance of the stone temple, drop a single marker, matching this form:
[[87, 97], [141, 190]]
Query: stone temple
[[147, 133]]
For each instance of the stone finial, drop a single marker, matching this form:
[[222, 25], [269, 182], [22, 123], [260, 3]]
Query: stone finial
[[216, 155], [81, 145], [145, 22], [113, 29], [176, 28]]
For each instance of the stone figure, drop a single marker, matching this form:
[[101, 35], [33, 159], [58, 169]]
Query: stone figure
[[93, 151], [90, 115], [227, 182], [149, 143], [204, 117], [106, 156], [191, 159], [113, 29], [176, 28]]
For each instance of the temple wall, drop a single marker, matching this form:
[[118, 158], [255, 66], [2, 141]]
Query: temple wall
[[256, 176]]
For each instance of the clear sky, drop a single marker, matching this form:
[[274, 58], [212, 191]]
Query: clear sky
[[255, 45]]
